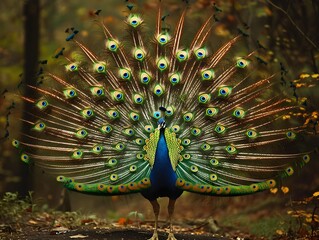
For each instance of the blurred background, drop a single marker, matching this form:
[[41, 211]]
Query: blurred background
[[32, 31]]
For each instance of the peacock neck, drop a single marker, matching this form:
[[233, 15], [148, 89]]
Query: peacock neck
[[162, 172]]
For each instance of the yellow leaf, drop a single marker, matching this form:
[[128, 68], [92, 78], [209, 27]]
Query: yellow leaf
[[79, 236], [316, 75], [315, 194], [280, 232], [308, 220], [274, 190], [284, 189], [304, 75]]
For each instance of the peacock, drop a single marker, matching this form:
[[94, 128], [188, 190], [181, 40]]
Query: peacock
[[157, 116]]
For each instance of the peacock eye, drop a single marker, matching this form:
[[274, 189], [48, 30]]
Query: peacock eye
[[97, 149], [97, 91], [156, 114], [39, 126], [100, 67], [182, 55], [106, 129], [140, 156], [15, 143], [163, 38], [220, 129], [42, 104], [186, 142], [176, 128], [186, 156], [145, 77], [139, 141], [87, 113], [213, 177], [133, 168], [188, 117], [129, 132], [196, 131], [169, 111], [162, 63], [224, 92], [134, 116], [138, 98], [207, 74], [69, 93], [81, 133], [291, 135], [72, 67], [214, 162], [120, 146], [194, 168], [231, 149], [200, 53], [134, 20], [25, 158], [211, 111], [306, 158], [289, 171], [139, 54], [149, 128], [125, 74], [251, 133], [117, 95], [242, 63], [204, 98], [113, 114], [77, 154], [239, 113], [111, 162], [158, 90], [175, 78], [205, 147], [112, 45], [61, 179]]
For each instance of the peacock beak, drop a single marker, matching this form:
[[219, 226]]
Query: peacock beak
[[161, 123]]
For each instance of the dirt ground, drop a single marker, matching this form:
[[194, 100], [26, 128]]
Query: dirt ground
[[105, 235]]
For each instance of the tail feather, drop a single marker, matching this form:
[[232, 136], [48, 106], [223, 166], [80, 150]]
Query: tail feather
[[97, 123]]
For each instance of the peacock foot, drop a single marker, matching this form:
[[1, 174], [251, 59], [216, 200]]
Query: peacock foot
[[154, 237], [171, 237]]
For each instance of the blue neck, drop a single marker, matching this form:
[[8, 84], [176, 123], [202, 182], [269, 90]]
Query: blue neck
[[163, 177], [162, 174]]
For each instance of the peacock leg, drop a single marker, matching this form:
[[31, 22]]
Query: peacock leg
[[171, 205], [156, 209]]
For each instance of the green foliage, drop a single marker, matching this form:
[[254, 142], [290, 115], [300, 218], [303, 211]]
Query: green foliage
[[13, 209]]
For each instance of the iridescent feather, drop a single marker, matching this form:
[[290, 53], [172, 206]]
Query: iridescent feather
[[161, 118]]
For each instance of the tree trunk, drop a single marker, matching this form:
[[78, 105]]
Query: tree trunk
[[31, 12]]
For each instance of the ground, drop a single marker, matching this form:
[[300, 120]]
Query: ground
[[264, 216]]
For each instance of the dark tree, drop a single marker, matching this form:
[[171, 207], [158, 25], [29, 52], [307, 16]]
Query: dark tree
[[31, 12]]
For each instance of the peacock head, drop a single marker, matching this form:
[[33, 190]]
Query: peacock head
[[161, 122]]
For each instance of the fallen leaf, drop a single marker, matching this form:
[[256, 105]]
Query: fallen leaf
[[122, 221], [280, 232], [33, 222], [78, 236], [59, 230], [285, 189], [309, 220], [315, 194]]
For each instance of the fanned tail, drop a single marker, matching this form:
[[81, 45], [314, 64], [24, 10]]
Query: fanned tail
[[227, 134]]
